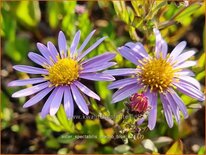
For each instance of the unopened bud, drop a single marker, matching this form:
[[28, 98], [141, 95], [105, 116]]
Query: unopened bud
[[139, 103]]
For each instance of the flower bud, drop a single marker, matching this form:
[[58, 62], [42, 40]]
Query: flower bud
[[139, 103]]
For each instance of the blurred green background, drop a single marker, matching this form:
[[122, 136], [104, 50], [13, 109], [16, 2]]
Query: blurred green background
[[24, 23]]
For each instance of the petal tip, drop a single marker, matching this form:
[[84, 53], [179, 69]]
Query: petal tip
[[15, 95], [61, 35], [98, 98], [25, 106], [38, 44], [52, 112], [155, 30], [113, 101], [150, 127], [86, 112]]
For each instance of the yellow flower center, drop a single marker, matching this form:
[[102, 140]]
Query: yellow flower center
[[157, 74], [63, 72]]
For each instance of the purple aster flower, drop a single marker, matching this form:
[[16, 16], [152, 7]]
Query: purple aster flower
[[60, 74], [160, 74]]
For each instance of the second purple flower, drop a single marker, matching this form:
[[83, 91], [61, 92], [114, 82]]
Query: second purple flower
[[160, 74]]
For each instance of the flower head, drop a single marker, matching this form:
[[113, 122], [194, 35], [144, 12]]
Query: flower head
[[60, 74], [160, 74]]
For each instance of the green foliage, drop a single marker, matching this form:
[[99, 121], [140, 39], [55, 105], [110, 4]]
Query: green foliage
[[28, 13], [53, 10], [183, 16]]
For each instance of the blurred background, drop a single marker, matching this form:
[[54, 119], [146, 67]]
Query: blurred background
[[24, 23]]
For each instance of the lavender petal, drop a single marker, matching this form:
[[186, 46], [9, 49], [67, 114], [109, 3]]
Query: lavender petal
[[38, 59], [86, 90], [186, 64], [177, 50], [189, 80], [53, 50], [174, 107], [90, 48], [31, 90], [184, 72], [45, 52], [152, 98], [167, 110], [25, 82], [30, 69], [81, 103], [129, 55], [97, 76], [62, 42], [161, 45], [122, 83], [190, 91], [85, 42], [75, 42], [137, 48], [46, 107], [183, 57], [55, 103], [98, 59], [122, 71], [124, 92], [179, 103], [38, 97], [68, 102], [98, 68]]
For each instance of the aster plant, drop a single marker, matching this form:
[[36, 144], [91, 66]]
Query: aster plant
[[60, 75], [161, 75]]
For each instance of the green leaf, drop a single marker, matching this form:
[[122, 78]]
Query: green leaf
[[182, 15], [17, 50], [156, 8], [52, 143], [54, 123], [66, 138], [137, 5], [202, 150], [69, 19], [137, 22], [83, 19], [121, 10], [8, 26], [64, 121], [43, 127], [171, 10], [201, 61], [28, 12], [200, 76], [176, 148], [53, 13]]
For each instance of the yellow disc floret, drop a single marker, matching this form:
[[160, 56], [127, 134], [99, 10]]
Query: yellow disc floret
[[63, 72], [157, 74]]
